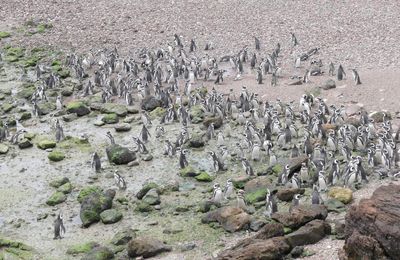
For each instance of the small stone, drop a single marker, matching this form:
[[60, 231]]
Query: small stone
[[147, 157], [56, 198], [24, 143], [110, 119], [59, 182], [204, 177], [56, 156], [123, 127], [110, 216], [3, 149], [45, 144], [65, 188], [152, 197]]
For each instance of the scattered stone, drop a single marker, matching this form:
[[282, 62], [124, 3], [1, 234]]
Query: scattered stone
[[232, 219], [92, 205], [77, 107], [152, 197], [257, 224], [110, 216], [286, 194], [41, 216], [196, 141], [56, 156], [188, 171], [261, 182], [344, 195], [146, 247], [150, 103], [188, 246], [58, 182], [99, 253], [145, 188], [214, 119], [24, 143], [46, 108], [378, 116], [81, 248], [334, 205], [120, 155], [46, 144], [158, 112], [110, 118], [143, 207], [123, 127], [147, 157], [65, 188], [112, 108], [310, 233], [239, 182], [56, 198], [3, 149], [256, 196], [329, 84], [83, 193]]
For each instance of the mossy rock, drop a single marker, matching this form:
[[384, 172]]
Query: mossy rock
[[112, 108], [123, 237], [59, 182], [46, 108], [13, 54], [70, 142], [46, 144], [204, 177], [99, 253], [15, 250], [188, 171], [83, 193], [65, 188], [240, 182], [29, 135], [277, 168], [56, 156], [256, 196], [110, 216], [4, 35], [56, 198], [63, 73], [145, 188], [143, 207], [24, 143], [158, 112], [30, 61], [120, 155], [287, 230], [7, 107], [25, 116], [110, 118], [196, 114], [81, 248], [27, 91], [77, 107], [92, 205]]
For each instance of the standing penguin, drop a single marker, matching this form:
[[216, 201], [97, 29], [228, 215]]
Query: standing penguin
[[96, 164], [257, 43], [144, 134], [340, 73], [229, 189], [315, 197], [247, 167], [217, 195], [295, 202], [356, 77], [241, 203], [119, 181], [182, 159], [59, 229], [331, 69]]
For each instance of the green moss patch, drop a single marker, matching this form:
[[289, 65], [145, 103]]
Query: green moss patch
[[56, 156], [4, 35]]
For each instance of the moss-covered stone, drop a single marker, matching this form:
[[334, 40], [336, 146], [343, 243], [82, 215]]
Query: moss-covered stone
[[30, 61], [65, 188], [204, 177], [112, 108], [92, 205], [26, 91], [25, 116], [277, 168], [46, 108], [143, 207], [99, 253], [110, 216], [29, 135], [158, 112], [120, 155], [188, 171], [7, 107], [123, 237], [256, 196], [10, 249], [70, 142], [77, 107], [83, 193], [13, 54], [110, 118], [56, 156], [56, 198], [59, 182], [4, 35], [146, 187], [46, 144], [240, 182], [81, 248], [3, 148], [196, 114], [24, 143]]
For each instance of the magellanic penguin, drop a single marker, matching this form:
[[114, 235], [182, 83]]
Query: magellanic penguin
[[316, 197], [340, 73], [247, 167], [241, 203], [217, 195], [229, 189], [217, 164], [295, 202], [119, 181], [59, 229], [96, 164], [356, 77]]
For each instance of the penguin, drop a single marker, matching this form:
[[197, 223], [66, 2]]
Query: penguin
[[270, 203], [229, 189], [59, 229], [284, 175], [146, 119], [304, 174], [331, 69], [295, 202], [257, 43], [96, 164], [144, 134], [119, 181], [220, 139], [109, 135], [182, 159], [159, 131], [273, 80], [256, 152], [315, 196], [340, 73], [210, 131], [295, 42], [259, 76], [322, 184], [217, 164], [247, 167], [59, 104], [356, 77], [217, 195], [59, 132], [193, 46], [241, 203]]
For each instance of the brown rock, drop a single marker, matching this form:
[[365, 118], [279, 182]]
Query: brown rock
[[270, 249], [230, 218], [295, 164], [269, 230], [374, 224], [146, 247], [257, 183], [301, 215], [286, 194], [310, 233]]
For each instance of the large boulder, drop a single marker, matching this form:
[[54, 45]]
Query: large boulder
[[270, 249], [119, 154], [77, 107], [110, 216], [94, 204], [372, 228], [146, 247], [150, 103], [286, 194], [230, 218], [310, 233], [301, 215]]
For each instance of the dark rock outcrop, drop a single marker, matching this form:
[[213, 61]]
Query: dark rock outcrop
[[230, 218], [120, 155], [310, 233], [301, 215]]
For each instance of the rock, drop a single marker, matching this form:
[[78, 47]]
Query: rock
[[188, 246], [152, 197], [69, 117], [329, 84], [123, 237], [150, 103], [27, 91], [295, 164], [329, 127], [196, 114], [301, 215], [353, 110], [146, 247], [188, 172], [56, 156], [158, 112], [372, 226], [110, 216], [110, 118], [334, 205], [143, 207], [204, 177], [339, 229], [24, 143], [256, 224], [56, 198], [92, 205], [77, 107], [120, 155], [112, 108], [46, 108], [297, 252], [182, 208], [261, 182], [270, 230], [3, 149], [83, 193], [270, 249], [240, 182], [99, 123], [16, 250], [81, 248], [123, 127], [256, 196], [58, 182], [232, 219], [99, 253], [378, 116], [295, 82], [196, 141], [147, 157], [310, 233], [344, 195], [213, 119], [286, 194], [205, 206], [46, 144], [65, 188], [145, 188]]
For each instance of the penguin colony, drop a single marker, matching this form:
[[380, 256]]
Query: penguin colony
[[348, 154]]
